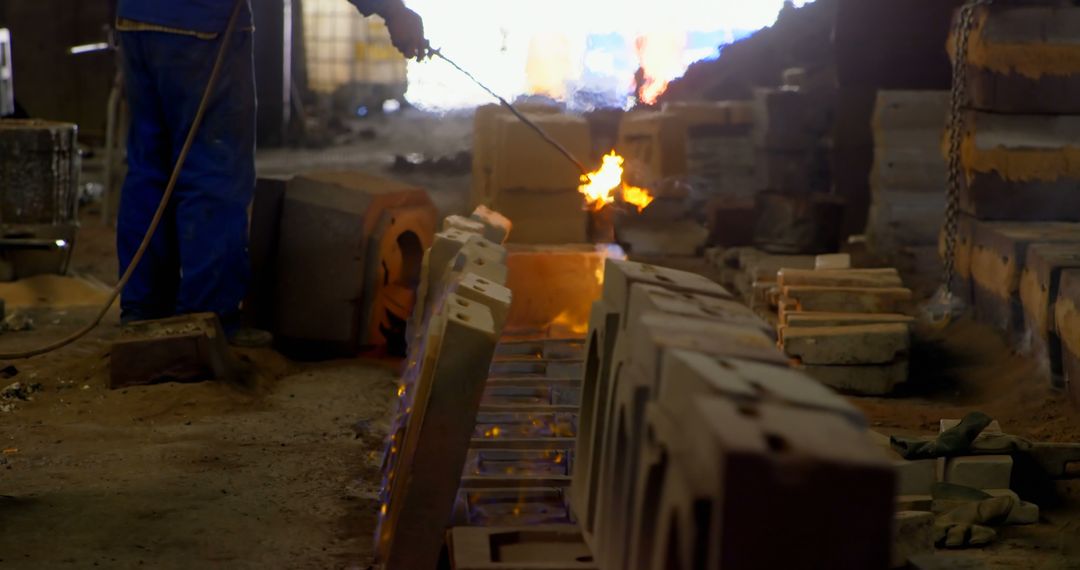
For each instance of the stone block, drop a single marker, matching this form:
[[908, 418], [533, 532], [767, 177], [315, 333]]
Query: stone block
[[874, 380], [523, 160], [189, 348], [462, 223], [849, 299], [497, 227], [542, 547], [847, 345], [897, 219], [912, 534], [869, 278], [812, 319], [427, 455], [980, 472], [912, 170], [545, 217]]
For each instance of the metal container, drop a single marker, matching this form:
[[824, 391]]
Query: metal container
[[39, 170]]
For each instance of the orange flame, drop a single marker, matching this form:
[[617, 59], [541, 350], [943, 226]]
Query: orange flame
[[601, 186], [660, 56]]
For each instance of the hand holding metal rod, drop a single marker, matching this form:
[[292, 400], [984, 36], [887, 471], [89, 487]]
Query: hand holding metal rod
[[547, 138]]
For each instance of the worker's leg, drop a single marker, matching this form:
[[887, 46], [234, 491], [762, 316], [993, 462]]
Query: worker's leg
[[151, 292], [218, 179]]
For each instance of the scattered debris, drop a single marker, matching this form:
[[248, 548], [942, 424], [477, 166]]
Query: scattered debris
[[20, 391], [17, 321]]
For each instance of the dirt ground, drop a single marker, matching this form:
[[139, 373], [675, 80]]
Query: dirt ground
[[281, 472]]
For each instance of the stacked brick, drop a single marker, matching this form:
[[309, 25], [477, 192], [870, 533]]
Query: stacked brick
[[457, 320], [1018, 238], [690, 417], [847, 328], [908, 180], [519, 174]]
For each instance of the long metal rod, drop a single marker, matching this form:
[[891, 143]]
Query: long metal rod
[[543, 134]]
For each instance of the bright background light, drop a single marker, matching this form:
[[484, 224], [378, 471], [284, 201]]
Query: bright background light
[[580, 44]]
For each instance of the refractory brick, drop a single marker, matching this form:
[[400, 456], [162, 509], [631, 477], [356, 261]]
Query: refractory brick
[[847, 345]]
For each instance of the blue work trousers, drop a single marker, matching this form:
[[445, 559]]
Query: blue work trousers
[[198, 259]]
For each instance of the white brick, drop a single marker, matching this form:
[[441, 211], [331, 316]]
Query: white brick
[[980, 471]]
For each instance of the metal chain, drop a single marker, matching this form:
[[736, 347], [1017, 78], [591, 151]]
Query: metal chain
[[955, 131]]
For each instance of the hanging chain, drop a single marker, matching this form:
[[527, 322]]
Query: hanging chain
[[955, 131]]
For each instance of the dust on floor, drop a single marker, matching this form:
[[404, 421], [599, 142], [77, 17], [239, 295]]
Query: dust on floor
[[280, 473]]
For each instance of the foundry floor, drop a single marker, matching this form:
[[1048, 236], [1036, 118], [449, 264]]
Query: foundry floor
[[282, 473]]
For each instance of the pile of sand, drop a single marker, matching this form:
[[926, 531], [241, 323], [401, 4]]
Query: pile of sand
[[54, 291]]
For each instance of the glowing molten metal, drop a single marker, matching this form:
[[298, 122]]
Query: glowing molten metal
[[600, 187]]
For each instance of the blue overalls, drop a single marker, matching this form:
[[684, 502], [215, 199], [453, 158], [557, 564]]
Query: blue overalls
[[198, 259]]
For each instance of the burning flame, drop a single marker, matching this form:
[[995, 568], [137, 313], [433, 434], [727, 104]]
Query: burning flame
[[660, 56], [601, 186]]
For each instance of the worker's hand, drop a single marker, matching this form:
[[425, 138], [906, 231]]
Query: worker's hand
[[406, 31]]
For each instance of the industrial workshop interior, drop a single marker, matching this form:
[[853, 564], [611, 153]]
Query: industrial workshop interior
[[564, 285]]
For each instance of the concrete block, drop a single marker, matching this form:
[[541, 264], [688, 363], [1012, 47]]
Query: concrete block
[[832, 261], [905, 111], [849, 299], [543, 547], [462, 223], [874, 380], [687, 375], [912, 169], [620, 275], [497, 298], [999, 255], [912, 535], [913, 478], [189, 348], [481, 257], [337, 229], [655, 333], [1039, 286], [654, 146], [646, 298], [523, 160], [545, 217], [870, 278], [424, 463], [485, 146], [815, 319], [847, 345], [1067, 329], [717, 447], [497, 227], [980, 472], [785, 120]]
